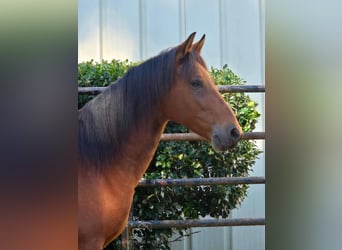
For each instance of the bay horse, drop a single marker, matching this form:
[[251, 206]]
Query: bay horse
[[119, 131]]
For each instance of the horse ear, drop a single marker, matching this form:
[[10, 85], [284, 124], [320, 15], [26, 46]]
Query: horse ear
[[198, 46], [185, 47]]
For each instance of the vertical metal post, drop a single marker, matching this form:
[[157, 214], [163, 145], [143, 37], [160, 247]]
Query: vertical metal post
[[126, 236], [129, 236]]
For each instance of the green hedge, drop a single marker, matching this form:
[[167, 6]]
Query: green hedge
[[184, 160]]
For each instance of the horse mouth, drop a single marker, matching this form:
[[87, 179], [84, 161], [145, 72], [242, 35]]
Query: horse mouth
[[222, 144]]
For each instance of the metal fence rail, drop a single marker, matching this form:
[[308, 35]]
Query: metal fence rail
[[241, 88], [158, 224], [196, 137], [221, 88], [203, 181]]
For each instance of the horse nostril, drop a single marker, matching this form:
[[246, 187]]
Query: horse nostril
[[235, 134]]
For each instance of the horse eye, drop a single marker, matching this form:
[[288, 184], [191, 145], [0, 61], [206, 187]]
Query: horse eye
[[196, 83]]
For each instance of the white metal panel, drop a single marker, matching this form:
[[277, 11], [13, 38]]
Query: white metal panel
[[121, 33], [183, 243], [253, 237], [213, 242], [162, 26], [204, 238], [244, 52], [242, 38], [88, 30], [202, 16]]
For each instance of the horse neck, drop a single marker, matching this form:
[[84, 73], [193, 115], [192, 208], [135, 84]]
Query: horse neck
[[139, 149], [134, 157]]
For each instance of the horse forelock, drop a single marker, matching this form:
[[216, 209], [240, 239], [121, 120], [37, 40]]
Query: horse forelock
[[107, 121]]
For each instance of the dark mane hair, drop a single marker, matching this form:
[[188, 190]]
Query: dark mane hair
[[105, 121]]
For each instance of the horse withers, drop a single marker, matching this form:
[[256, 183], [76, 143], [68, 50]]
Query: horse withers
[[120, 129]]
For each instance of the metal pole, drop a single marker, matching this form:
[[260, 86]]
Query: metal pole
[[203, 181], [157, 224], [241, 88], [221, 88], [196, 137]]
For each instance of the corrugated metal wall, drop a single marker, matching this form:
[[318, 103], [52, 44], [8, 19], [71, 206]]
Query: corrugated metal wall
[[139, 29]]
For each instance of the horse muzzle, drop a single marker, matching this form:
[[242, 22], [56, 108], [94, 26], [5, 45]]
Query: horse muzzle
[[225, 138]]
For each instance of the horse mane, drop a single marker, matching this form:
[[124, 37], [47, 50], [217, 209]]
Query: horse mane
[[105, 121]]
